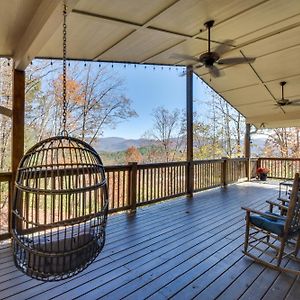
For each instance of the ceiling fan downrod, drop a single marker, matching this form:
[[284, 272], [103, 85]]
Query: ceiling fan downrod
[[209, 24], [282, 83]]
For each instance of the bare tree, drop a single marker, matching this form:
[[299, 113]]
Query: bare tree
[[228, 126], [282, 142], [95, 100], [5, 121], [167, 131]]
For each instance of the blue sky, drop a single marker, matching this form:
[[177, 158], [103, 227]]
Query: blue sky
[[149, 88]]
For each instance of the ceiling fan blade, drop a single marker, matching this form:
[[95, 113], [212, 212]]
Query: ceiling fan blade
[[221, 48], [197, 66], [236, 60], [183, 57], [214, 71], [296, 101]]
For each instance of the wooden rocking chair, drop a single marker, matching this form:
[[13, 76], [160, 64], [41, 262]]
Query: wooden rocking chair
[[268, 234]]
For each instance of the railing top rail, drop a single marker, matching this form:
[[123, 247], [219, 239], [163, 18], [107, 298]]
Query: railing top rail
[[162, 165], [204, 161], [117, 168], [279, 158], [237, 159], [5, 176]]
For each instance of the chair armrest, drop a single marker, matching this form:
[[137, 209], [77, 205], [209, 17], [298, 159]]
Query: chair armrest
[[250, 210], [283, 200], [277, 204]]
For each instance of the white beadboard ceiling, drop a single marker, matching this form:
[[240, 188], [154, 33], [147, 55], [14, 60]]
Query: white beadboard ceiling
[[149, 32]]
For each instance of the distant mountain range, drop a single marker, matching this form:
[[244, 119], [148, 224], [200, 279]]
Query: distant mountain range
[[115, 144], [257, 145]]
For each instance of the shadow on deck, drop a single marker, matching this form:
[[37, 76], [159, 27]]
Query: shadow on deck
[[181, 249]]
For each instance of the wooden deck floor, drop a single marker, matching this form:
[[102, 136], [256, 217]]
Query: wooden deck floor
[[179, 249]]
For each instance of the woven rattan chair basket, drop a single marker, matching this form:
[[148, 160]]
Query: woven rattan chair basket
[[59, 209]]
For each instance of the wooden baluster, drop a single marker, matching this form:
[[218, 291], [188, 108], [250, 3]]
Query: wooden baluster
[[224, 172], [132, 186]]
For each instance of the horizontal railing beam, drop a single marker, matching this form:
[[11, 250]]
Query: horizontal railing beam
[[139, 184]]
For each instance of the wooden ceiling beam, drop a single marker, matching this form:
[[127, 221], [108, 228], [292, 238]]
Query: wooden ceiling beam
[[273, 118], [44, 23], [5, 111]]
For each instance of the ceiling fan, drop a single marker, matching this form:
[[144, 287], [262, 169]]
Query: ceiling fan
[[209, 59], [283, 101]]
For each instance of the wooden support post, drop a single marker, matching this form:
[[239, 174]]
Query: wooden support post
[[18, 116], [10, 197], [224, 171], [132, 186], [18, 108], [247, 144], [189, 128], [247, 141]]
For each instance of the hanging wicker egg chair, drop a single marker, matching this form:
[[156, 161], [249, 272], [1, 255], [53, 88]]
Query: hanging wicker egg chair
[[59, 209]]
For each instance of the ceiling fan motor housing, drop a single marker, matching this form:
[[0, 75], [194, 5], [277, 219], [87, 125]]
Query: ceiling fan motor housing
[[209, 58]]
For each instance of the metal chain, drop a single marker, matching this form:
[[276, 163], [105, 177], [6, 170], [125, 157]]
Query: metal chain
[[64, 132]]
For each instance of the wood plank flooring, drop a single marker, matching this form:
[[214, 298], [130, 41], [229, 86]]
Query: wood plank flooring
[[179, 249]]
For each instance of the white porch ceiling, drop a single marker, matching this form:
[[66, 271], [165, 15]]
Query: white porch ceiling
[[143, 31]]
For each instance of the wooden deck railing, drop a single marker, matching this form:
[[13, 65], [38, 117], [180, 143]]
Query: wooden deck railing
[[280, 168], [118, 180], [160, 181], [135, 184], [236, 169], [5, 203], [208, 174]]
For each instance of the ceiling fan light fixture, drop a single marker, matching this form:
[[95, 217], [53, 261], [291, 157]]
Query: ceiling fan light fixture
[[210, 59]]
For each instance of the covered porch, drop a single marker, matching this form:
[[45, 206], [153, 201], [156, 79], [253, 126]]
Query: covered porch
[[188, 247], [181, 249]]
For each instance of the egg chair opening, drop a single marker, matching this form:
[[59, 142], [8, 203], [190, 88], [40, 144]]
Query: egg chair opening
[[59, 209]]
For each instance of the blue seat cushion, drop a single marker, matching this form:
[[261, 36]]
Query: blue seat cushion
[[272, 225]]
